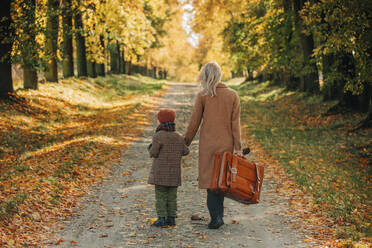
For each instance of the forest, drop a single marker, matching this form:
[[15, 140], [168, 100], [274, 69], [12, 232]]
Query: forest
[[76, 75]]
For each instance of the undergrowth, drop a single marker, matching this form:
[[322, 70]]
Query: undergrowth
[[55, 140], [318, 152]]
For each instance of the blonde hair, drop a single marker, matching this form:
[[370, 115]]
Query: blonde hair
[[209, 77]]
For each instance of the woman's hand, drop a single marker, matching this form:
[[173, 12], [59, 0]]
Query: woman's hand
[[239, 153]]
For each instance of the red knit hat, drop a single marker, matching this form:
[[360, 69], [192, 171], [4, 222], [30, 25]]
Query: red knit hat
[[166, 115]]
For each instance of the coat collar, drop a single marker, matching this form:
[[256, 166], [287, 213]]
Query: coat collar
[[221, 85]]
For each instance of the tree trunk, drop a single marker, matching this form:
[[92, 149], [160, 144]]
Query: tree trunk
[[91, 69], [100, 68], [68, 60], [114, 59], [367, 122], [6, 83], [310, 81], [51, 73], [81, 57], [328, 90], [344, 65], [29, 53], [161, 74], [127, 69], [289, 80], [29, 78], [249, 74], [122, 62], [119, 57]]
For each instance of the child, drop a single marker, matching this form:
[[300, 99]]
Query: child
[[167, 148]]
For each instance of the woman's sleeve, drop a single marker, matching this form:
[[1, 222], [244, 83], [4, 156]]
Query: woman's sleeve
[[195, 120], [236, 124], [155, 148]]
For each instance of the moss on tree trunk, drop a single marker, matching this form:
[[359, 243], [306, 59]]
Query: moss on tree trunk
[[114, 58], [29, 78], [67, 49], [29, 52], [51, 73], [81, 57], [310, 79]]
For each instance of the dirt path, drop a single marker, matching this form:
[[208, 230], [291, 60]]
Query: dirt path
[[116, 213]]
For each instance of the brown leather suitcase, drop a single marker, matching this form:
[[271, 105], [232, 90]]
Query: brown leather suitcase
[[237, 178]]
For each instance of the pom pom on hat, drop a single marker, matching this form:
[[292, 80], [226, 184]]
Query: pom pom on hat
[[166, 115]]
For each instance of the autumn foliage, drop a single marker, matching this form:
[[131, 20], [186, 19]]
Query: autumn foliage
[[57, 141]]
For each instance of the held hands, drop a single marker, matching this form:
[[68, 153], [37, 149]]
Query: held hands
[[243, 152], [239, 153]]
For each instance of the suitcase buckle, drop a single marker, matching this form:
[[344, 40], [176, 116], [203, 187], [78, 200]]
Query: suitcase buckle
[[234, 171]]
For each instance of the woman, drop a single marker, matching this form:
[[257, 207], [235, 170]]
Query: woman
[[219, 107]]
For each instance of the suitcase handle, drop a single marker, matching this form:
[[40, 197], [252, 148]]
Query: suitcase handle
[[228, 180]]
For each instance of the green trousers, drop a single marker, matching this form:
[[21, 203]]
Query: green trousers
[[166, 200]]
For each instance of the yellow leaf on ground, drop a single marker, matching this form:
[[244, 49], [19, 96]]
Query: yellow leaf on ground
[[152, 220]]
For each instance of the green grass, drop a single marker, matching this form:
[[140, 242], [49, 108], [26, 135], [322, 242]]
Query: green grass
[[9, 207], [319, 153], [124, 85], [85, 98]]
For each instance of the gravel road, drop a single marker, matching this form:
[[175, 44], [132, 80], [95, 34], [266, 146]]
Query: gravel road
[[116, 213]]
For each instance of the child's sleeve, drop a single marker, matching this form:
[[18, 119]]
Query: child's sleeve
[[186, 150], [155, 148]]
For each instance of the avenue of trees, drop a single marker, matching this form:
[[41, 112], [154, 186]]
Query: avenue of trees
[[294, 43], [315, 46], [82, 38]]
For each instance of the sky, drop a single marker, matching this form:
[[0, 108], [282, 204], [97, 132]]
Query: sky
[[187, 18]]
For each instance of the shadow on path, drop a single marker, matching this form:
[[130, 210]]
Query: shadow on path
[[117, 213]]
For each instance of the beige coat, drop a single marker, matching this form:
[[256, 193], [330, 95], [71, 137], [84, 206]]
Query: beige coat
[[167, 149], [220, 129]]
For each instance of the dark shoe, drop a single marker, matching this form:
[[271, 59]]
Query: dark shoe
[[216, 223], [171, 221], [160, 222]]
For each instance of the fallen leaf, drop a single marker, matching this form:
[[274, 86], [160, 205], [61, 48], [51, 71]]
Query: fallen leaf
[[125, 173], [36, 216], [59, 241], [152, 220], [196, 217]]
